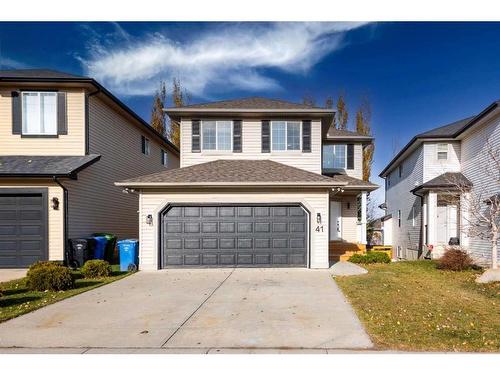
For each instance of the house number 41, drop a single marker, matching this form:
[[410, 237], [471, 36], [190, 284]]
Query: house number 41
[[319, 228]]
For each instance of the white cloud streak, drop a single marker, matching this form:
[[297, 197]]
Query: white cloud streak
[[226, 57]]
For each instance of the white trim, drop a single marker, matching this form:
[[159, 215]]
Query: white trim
[[216, 137], [438, 152], [299, 150]]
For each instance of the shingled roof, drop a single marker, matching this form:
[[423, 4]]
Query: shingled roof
[[234, 172], [39, 74], [445, 180], [352, 182], [255, 102], [44, 166]]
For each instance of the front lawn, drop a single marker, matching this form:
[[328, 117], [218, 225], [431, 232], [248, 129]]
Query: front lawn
[[414, 306], [17, 300]]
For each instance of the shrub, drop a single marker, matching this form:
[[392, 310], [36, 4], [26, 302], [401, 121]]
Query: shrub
[[95, 269], [455, 259], [370, 257], [52, 276]]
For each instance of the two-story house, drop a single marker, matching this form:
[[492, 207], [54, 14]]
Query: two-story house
[[427, 200], [64, 140], [261, 183]]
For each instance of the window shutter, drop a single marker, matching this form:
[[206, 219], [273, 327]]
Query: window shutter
[[17, 113], [236, 135], [266, 146], [143, 144], [306, 136], [195, 135], [62, 123], [350, 156]]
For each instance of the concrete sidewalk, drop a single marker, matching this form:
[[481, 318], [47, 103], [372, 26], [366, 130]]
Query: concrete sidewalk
[[8, 274], [196, 310]]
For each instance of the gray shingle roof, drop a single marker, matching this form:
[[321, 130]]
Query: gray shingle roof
[[44, 166], [234, 172], [353, 182], [343, 133], [38, 73], [446, 130], [446, 180], [255, 102]]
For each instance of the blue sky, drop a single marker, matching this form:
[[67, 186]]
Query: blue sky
[[416, 75]]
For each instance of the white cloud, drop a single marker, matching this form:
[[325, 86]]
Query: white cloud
[[7, 63], [224, 57]]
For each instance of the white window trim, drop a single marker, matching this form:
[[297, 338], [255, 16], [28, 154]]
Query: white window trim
[[216, 150], [286, 136], [447, 152], [345, 153], [147, 147], [413, 216], [23, 114]]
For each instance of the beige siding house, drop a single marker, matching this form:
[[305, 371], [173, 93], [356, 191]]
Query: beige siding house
[[64, 140], [427, 207], [262, 183]]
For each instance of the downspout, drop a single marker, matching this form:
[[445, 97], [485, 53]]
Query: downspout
[[422, 229], [65, 214]]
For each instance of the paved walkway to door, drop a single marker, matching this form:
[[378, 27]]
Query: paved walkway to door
[[197, 310]]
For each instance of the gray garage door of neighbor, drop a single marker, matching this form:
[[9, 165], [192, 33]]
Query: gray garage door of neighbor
[[234, 236], [23, 227]]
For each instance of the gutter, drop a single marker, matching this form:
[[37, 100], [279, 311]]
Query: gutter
[[228, 185], [65, 214]]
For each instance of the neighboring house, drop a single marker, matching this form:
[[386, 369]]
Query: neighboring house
[[422, 177], [64, 140], [262, 183]]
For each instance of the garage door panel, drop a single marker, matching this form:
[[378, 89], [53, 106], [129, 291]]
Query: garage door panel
[[243, 236]]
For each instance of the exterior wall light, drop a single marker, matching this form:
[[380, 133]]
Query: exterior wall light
[[318, 218], [149, 219], [55, 203]]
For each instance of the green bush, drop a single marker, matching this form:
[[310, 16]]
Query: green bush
[[455, 259], [370, 257], [95, 269], [52, 276]]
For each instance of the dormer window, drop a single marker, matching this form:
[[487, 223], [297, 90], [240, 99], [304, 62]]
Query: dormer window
[[442, 151], [285, 135], [39, 113], [217, 135]]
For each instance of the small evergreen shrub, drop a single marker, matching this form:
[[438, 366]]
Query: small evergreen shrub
[[52, 276], [455, 259], [96, 269], [370, 257]]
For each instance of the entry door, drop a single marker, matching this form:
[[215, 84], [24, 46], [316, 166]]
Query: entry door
[[442, 224], [335, 221]]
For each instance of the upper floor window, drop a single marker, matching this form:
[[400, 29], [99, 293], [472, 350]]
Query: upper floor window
[[399, 218], [442, 151], [217, 135], [146, 148], [285, 135], [334, 156], [39, 113], [164, 158], [400, 170], [388, 180]]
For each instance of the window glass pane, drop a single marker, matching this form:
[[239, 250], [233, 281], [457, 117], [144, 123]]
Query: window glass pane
[[224, 135], [146, 147], [339, 160], [278, 135], [208, 135], [31, 113], [327, 156], [48, 115], [293, 136], [442, 149]]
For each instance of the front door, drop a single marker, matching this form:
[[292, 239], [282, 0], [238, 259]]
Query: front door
[[335, 221]]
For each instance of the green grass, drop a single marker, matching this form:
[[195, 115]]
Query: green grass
[[414, 306], [17, 300]]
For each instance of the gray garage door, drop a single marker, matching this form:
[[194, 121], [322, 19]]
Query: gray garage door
[[234, 236], [23, 228]]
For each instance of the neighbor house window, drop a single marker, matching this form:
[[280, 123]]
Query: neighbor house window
[[388, 180], [39, 113], [442, 151], [413, 216], [146, 148], [285, 135], [399, 218], [334, 156], [400, 169], [217, 135], [164, 158]]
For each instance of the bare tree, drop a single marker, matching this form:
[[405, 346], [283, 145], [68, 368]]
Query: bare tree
[[363, 126], [481, 204], [157, 115]]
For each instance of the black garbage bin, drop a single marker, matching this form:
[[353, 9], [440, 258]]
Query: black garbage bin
[[79, 252]]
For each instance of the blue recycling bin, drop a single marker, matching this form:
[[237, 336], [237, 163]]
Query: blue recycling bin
[[128, 251], [100, 243]]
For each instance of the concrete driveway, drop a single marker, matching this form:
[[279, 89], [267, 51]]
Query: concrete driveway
[[7, 274], [197, 310]]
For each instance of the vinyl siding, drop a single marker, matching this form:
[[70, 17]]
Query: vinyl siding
[[153, 201], [55, 217], [474, 162], [72, 143], [95, 203], [399, 197], [251, 148], [357, 172], [434, 167], [349, 219]]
